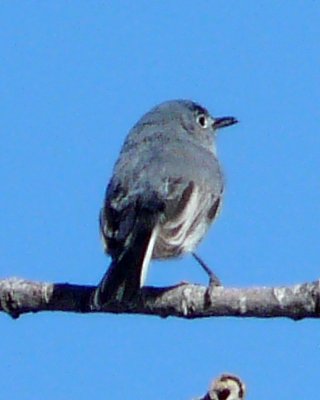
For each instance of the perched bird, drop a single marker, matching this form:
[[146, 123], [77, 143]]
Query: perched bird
[[226, 387], [165, 191]]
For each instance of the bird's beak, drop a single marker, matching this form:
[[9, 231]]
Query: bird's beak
[[223, 122]]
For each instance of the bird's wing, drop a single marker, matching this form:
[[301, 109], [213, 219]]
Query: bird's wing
[[190, 208], [129, 229]]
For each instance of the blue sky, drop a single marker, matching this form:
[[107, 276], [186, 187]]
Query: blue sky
[[75, 76]]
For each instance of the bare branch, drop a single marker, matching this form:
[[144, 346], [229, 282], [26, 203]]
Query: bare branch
[[18, 296]]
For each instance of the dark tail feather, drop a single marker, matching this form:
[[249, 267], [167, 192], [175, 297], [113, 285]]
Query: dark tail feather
[[122, 280]]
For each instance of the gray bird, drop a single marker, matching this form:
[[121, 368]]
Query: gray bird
[[165, 191]]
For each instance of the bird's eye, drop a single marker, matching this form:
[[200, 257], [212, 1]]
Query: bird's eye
[[202, 120]]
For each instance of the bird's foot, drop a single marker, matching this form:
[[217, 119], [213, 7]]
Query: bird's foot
[[214, 281]]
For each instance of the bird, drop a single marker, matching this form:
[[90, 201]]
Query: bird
[[165, 191], [226, 387]]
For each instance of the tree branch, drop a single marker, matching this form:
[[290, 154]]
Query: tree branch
[[19, 296]]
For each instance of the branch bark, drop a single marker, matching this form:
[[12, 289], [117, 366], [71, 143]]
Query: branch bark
[[19, 296]]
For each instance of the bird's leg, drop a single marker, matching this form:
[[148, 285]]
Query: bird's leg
[[213, 279]]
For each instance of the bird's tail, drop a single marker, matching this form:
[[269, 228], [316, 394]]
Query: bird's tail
[[126, 273]]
